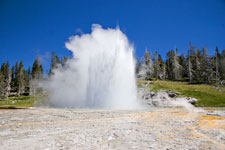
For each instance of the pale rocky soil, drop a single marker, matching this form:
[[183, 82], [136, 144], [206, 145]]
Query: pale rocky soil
[[154, 128]]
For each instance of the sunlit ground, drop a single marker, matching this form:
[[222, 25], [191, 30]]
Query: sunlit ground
[[168, 128]]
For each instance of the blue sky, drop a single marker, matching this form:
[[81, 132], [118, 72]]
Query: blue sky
[[37, 27]]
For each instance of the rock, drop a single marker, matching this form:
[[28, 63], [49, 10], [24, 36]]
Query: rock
[[171, 95], [152, 94], [192, 100], [148, 95]]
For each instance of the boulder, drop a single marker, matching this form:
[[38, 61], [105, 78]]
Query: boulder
[[192, 100], [171, 95]]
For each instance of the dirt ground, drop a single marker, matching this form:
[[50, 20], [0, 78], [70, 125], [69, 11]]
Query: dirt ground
[[155, 128]]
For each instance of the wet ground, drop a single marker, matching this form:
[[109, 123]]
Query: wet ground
[[156, 128]]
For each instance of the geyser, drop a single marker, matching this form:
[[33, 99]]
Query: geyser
[[101, 73]]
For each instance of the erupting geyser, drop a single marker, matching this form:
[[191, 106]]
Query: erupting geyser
[[101, 73]]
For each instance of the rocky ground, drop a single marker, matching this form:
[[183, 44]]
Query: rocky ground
[[152, 128]]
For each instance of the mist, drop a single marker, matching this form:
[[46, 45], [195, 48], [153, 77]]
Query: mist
[[101, 73]]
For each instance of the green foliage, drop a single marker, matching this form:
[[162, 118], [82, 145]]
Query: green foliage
[[21, 101], [37, 70], [55, 63], [169, 62]]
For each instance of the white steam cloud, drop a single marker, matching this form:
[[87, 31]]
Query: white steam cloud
[[101, 73]]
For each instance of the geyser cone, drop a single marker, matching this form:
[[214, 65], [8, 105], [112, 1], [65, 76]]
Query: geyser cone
[[101, 73]]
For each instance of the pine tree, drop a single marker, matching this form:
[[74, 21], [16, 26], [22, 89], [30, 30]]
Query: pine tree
[[13, 79], [176, 66], [156, 65], [169, 63], [16, 79], [27, 81], [138, 66], [36, 75], [183, 63], [209, 69], [206, 68], [161, 65], [198, 65], [37, 70], [2, 91], [223, 65], [189, 68], [217, 65], [55, 63], [7, 73], [164, 71], [146, 68], [29, 72], [21, 84], [192, 63]]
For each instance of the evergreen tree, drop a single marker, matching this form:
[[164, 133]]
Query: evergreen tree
[[37, 70], [156, 65], [2, 85], [7, 79], [198, 65], [222, 62], [36, 75], [164, 71], [176, 66], [192, 63], [217, 65], [169, 63], [21, 81], [206, 69], [138, 66], [184, 68], [27, 75], [161, 68], [147, 69], [189, 68], [55, 63], [13, 79], [16, 79]]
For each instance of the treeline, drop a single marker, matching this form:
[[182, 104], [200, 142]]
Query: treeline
[[17, 81], [196, 67]]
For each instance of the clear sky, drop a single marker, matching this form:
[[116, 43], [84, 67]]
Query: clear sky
[[37, 27]]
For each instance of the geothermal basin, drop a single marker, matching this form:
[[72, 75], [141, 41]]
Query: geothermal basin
[[101, 76], [155, 128]]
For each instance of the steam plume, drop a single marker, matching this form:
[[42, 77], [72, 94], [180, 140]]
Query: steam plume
[[101, 73]]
